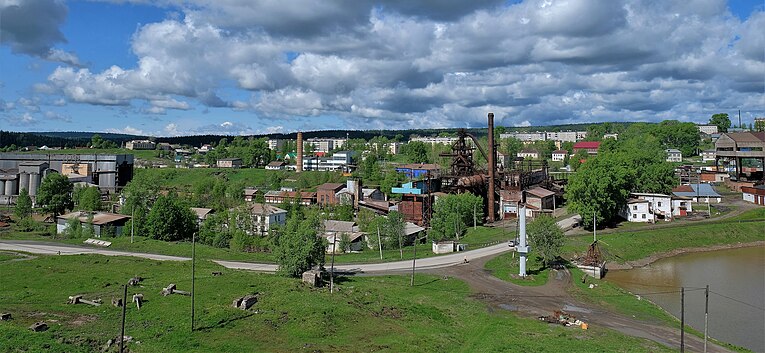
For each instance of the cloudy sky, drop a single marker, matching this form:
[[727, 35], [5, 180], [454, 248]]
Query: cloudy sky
[[176, 67]]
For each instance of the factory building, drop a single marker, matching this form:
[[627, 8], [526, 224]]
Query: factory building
[[26, 171]]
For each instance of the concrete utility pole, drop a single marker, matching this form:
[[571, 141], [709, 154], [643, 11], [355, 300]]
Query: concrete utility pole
[[682, 319], [132, 223], [522, 249], [193, 275], [122, 331], [706, 317], [379, 243], [332, 267]]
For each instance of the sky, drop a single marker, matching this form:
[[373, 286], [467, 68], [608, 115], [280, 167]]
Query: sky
[[240, 67]]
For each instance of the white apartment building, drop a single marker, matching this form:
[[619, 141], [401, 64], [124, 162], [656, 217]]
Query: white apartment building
[[140, 145], [560, 136], [435, 140], [707, 129], [275, 144]]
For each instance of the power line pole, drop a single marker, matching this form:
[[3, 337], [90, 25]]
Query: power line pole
[[706, 317], [332, 268], [682, 319], [379, 243], [122, 331], [193, 275], [132, 223], [414, 259]]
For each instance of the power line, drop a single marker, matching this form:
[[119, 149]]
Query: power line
[[738, 301]]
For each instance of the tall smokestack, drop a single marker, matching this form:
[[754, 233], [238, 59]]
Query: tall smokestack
[[492, 166], [299, 152]]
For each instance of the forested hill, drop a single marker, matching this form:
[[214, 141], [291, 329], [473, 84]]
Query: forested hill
[[77, 138], [23, 139]]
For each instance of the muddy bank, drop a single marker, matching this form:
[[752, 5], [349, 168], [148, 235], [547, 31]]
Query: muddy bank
[[655, 257]]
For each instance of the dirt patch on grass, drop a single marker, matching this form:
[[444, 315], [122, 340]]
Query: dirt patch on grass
[[82, 320]]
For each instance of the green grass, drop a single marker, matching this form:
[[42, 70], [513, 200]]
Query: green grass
[[506, 267], [630, 246], [5, 256], [380, 314]]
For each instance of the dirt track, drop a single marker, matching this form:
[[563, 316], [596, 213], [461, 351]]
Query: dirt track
[[543, 300]]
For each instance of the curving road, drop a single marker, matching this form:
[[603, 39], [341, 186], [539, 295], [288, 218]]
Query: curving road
[[47, 248]]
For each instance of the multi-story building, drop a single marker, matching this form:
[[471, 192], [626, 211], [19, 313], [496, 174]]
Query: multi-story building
[[435, 140], [559, 136], [674, 155], [275, 144], [529, 154], [708, 155], [140, 145], [707, 129], [320, 145], [341, 160]]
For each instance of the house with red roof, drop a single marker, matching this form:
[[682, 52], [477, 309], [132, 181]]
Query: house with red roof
[[590, 146]]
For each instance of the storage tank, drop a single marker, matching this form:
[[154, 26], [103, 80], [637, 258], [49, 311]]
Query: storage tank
[[10, 187], [34, 182], [23, 182]]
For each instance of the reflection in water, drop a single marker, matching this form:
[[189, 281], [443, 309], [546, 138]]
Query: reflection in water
[[736, 280]]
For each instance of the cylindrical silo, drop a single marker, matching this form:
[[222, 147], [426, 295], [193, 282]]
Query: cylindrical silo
[[10, 187], [23, 182], [2, 187], [34, 182]]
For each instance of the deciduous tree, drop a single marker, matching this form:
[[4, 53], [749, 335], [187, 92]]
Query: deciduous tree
[[721, 120], [23, 205], [170, 220], [546, 238], [297, 247], [55, 194]]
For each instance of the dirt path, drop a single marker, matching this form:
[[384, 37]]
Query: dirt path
[[543, 300]]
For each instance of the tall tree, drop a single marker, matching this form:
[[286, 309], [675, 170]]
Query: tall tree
[[721, 120], [139, 195], [55, 194], [453, 213], [89, 199], [297, 247], [546, 238], [416, 152], [170, 220], [600, 187], [23, 205]]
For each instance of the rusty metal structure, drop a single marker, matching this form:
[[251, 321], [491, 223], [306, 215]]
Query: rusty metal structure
[[594, 257]]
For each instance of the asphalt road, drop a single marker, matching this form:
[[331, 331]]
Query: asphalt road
[[46, 248]]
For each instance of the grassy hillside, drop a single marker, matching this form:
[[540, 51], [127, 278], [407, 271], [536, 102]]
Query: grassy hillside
[[368, 314]]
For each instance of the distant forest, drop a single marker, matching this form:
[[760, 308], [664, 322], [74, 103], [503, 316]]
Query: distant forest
[[73, 139]]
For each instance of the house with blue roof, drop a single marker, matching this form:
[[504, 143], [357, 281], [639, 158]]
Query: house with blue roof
[[698, 193]]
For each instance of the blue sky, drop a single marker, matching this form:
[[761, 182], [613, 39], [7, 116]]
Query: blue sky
[[177, 67]]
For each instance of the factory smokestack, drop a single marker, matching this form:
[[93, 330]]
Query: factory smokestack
[[492, 166], [299, 152]]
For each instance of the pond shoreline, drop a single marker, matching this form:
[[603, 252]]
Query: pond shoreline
[[655, 257]]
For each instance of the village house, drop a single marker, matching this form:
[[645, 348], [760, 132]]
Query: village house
[[650, 207], [250, 194], [559, 155], [334, 231], [103, 222], [674, 155], [230, 163], [265, 216], [201, 213], [276, 165]]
